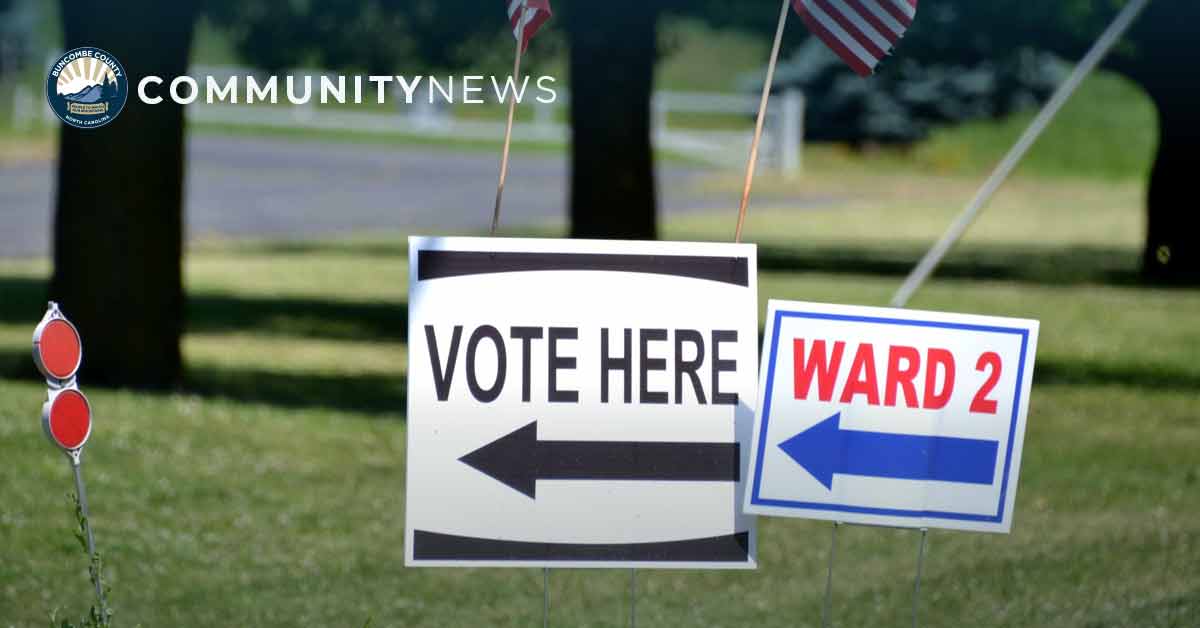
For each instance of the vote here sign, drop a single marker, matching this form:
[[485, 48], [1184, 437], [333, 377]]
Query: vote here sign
[[891, 417], [580, 403]]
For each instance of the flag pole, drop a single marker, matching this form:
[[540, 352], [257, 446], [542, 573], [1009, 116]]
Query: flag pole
[[758, 126], [512, 111]]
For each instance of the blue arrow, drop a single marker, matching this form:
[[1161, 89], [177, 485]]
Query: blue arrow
[[825, 449]]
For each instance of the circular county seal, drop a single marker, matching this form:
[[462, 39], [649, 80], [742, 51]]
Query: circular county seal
[[87, 87]]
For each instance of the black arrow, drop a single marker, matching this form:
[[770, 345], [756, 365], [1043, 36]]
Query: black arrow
[[519, 460]]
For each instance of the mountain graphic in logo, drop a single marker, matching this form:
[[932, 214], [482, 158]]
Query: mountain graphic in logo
[[87, 88], [92, 93]]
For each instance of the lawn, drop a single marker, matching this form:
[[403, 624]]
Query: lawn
[[269, 492]]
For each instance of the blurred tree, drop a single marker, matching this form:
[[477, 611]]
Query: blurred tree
[[118, 230], [379, 36], [906, 101], [1156, 54], [376, 36], [613, 52], [1161, 62], [614, 47]]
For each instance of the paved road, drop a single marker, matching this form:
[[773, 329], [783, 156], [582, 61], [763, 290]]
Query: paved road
[[285, 188]]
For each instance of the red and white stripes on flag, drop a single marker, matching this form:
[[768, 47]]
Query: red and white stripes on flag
[[861, 32], [525, 24]]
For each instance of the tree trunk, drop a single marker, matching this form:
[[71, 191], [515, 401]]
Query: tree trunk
[[1172, 253], [1162, 62], [613, 51], [118, 232]]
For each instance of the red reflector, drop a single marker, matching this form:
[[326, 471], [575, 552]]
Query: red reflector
[[59, 349], [70, 419]]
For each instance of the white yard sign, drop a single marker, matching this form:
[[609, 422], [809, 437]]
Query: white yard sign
[[580, 403], [891, 417]]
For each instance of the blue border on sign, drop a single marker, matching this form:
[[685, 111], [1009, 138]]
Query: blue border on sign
[[755, 498]]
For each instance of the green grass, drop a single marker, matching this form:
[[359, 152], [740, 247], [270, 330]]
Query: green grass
[[1107, 130], [269, 492], [699, 58]]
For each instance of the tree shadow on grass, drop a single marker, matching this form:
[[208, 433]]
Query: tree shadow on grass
[[370, 394], [23, 300], [365, 394], [1142, 376], [1013, 262], [385, 394], [299, 317], [387, 250], [1034, 264]]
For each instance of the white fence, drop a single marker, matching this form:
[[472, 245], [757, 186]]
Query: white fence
[[783, 136]]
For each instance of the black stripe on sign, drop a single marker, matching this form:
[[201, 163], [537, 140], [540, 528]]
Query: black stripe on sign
[[442, 264], [732, 548]]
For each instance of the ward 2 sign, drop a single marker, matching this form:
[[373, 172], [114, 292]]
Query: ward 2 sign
[[891, 417]]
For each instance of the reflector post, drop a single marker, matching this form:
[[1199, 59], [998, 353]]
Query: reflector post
[[67, 415]]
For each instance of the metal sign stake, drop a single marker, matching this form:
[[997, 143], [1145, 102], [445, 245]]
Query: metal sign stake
[[826, 618], [81, 493], [546, 597], [633, 598], [917, 582]]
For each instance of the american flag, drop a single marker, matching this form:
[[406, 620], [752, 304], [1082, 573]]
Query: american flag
[[861, 32], [525, 24]]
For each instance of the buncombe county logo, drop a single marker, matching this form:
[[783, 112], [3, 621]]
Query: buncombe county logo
[[87, 88]]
